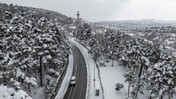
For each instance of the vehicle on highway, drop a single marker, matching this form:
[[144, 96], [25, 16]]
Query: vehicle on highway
[[73, 81], [97, 89]]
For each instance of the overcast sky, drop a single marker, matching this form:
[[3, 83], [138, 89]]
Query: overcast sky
[[107, 10]]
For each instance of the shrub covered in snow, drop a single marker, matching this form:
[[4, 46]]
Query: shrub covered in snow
[[83, 32], [119, 86]]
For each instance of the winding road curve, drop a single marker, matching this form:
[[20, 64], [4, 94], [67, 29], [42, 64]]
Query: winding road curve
[[79, 70]]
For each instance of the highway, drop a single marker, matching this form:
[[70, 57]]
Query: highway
[[79, 70]]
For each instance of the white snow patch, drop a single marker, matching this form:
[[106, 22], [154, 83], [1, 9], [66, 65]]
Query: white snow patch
[[37, 93], [31, 80], [19, 73], [131, 34], [10, 93], [147, 62], [111, 75]]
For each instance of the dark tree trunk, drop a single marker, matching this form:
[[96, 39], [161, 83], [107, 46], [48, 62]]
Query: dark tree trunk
[[129, 89], [139, 76], [169, 95], [41, 78], [140, 72], [161, 97], [29, 88]]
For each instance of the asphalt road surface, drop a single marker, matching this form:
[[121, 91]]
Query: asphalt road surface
[[79, 90]]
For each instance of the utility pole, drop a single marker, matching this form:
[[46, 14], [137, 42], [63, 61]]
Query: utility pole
[[94, 76]]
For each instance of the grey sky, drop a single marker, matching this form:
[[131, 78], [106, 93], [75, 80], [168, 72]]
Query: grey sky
[[107, 10]]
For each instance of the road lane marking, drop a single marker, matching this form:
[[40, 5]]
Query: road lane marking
[[70, 93], [75, 84], [80, 91], [76, 67]]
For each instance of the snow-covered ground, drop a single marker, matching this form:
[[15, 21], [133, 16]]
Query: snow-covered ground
[[37, 93], [10, 93], [111, 75]]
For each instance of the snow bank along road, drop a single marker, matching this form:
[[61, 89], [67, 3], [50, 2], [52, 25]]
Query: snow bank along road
[[79, 70]]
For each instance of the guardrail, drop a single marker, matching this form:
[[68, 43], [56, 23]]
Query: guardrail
[[59, 82]]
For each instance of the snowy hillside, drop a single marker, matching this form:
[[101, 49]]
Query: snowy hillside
[[33, 51], [34, 54], [149, 67], [162, 33]]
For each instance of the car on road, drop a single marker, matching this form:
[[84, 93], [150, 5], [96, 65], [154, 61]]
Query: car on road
[[97, 89], [73, 81]]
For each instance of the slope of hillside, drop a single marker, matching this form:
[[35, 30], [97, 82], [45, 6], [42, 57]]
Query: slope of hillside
[[33, 50]]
